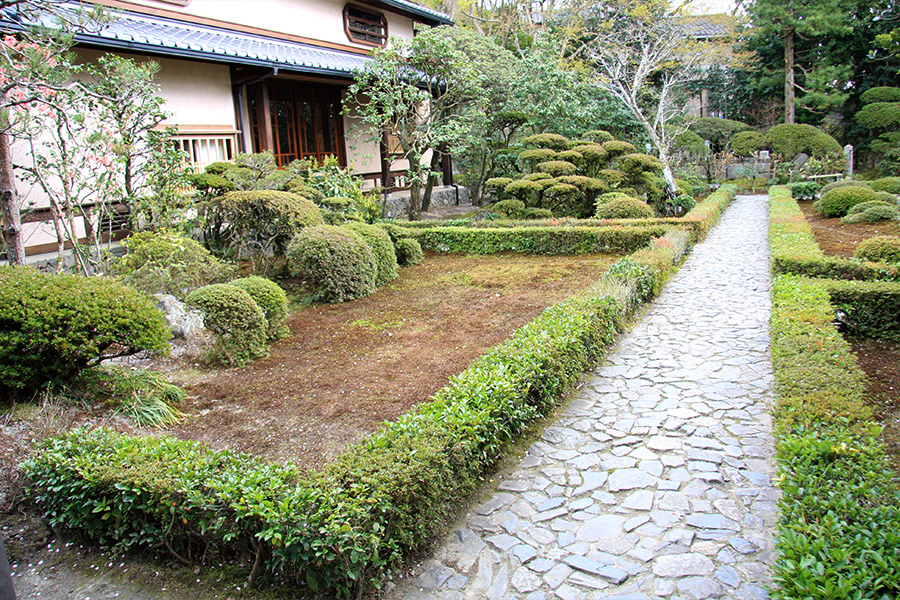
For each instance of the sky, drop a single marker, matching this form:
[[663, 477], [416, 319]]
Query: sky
[[712, 6]]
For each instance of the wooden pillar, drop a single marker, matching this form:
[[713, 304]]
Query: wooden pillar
[[264, 118]]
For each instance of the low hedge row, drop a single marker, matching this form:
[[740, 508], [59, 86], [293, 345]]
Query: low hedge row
[[342, 530], [867, 308], [840, 512], [839, 532], [539, 240], [794, 249]]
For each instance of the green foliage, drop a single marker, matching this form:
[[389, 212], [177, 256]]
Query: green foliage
[[843, 183], [537, 213], [882, 248], [747, 143], [879, 115], [237, 320], [625, 208], [689, 143], [553, 141], [269, 296], [525, 190], [166, 262], [557, 168], [616, 148], [836, 202], [336, 261], [868, 308], [887, 184], [54, 326], [144, 397], [339, 204], [538, 240], [804, 190], [717, 131], [382, 250], [409, 252], [536, 155], [872, 212], [509, 208], [677, 206], [880, 94], [789, 140], [609, 197], [598, 136], [259, 222]]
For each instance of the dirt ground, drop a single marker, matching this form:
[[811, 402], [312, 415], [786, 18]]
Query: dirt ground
[[841, 240], [348, 367]]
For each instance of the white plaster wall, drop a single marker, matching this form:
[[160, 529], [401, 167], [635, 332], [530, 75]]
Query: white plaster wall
[[363, 154], [196, 93], [317, 19]]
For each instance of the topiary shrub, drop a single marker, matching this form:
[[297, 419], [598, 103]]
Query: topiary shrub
[[238, 322], [887, 184], [836, 202], [790, 139], [609, 197], [625, 208], [717, 131], [546, 140], [613, 177], [269, 296], [616, 148], [747, 143], [525, 190], [598, 136], [382, 250], [883, 248], [843, 183], [536, 155], [688, 142], [571, 156], [498, 186], [338, 203], [880, 94], [804, 190], [54, 326], [888, 198], [335, 260], [871, 213], [409, 252], [537, 213], [557, 168], [509, 208], [879, 115], [261, 221], [166, 262]]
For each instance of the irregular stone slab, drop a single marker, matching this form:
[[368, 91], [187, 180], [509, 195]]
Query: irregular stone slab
[[682, 565], [602, 527], [629, 479]]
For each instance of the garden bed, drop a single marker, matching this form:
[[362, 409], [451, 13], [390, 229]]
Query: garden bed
[[836, 239], [348, 367], [880, 360]]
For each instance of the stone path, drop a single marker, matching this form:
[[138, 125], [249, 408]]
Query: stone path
[[657, 481]]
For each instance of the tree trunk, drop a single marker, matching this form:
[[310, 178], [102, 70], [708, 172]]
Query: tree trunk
[[429, 186], [9, 205], [789, 83]]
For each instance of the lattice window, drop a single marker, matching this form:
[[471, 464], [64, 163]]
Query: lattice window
[[204, 149], [365, 27]]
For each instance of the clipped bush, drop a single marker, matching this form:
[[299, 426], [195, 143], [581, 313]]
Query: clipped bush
[[570, 156], [54, 326], [536, 155], [166, 262], [613, 177], [237, 320], [336, 261], [690, 143], [409, 252], [269, 296], [882, 248], [805, 190], [537, 177], [879, 115], [876, 211], [609, 197], [790, 139], [836, 202], [537, 213], [396, 232], [748, 143], [880, 94], [546, 140], [625, 208], [717, 131], [557, 168], [338, 203], [525, 189], [260, 221], [598, 136], [509, 208], [616, 148], [382, 250], [887, 184], [843, 183]]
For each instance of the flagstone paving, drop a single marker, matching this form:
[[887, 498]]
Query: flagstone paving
[[656, 482]]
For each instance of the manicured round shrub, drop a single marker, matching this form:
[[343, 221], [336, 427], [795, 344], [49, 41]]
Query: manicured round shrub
[[261, 221], [238, 322], [54, 326], [690, 143], [843, 183], [625, 208], [498, 184], [880, 94], [598, 136], [618, 148], [879, 115], [409, 252], [536, 155], [874, 212], [593, 154], [888, 198], [609, 197], [537, 213], [571, 156], [509, 208], [537, 177], [335, 260], [585, 184], [525, 188], [747, 143], [883, 248], [553, 141], [717, 131], [836, 202], [382, 250], [790, 139], [337, 203], [612, 177], [557, 168], [887, 184], [864, 206], [269, 296], [636, 163], [166, 262]]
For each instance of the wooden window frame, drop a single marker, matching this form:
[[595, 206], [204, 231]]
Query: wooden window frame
[[379, 21]]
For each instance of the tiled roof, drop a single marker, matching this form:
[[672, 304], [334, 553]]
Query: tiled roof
[[439, 17], [707, 26]]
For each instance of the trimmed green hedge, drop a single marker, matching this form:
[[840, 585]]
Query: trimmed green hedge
[[341, 531], [839, 532], [794, 249], [867, 308]]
